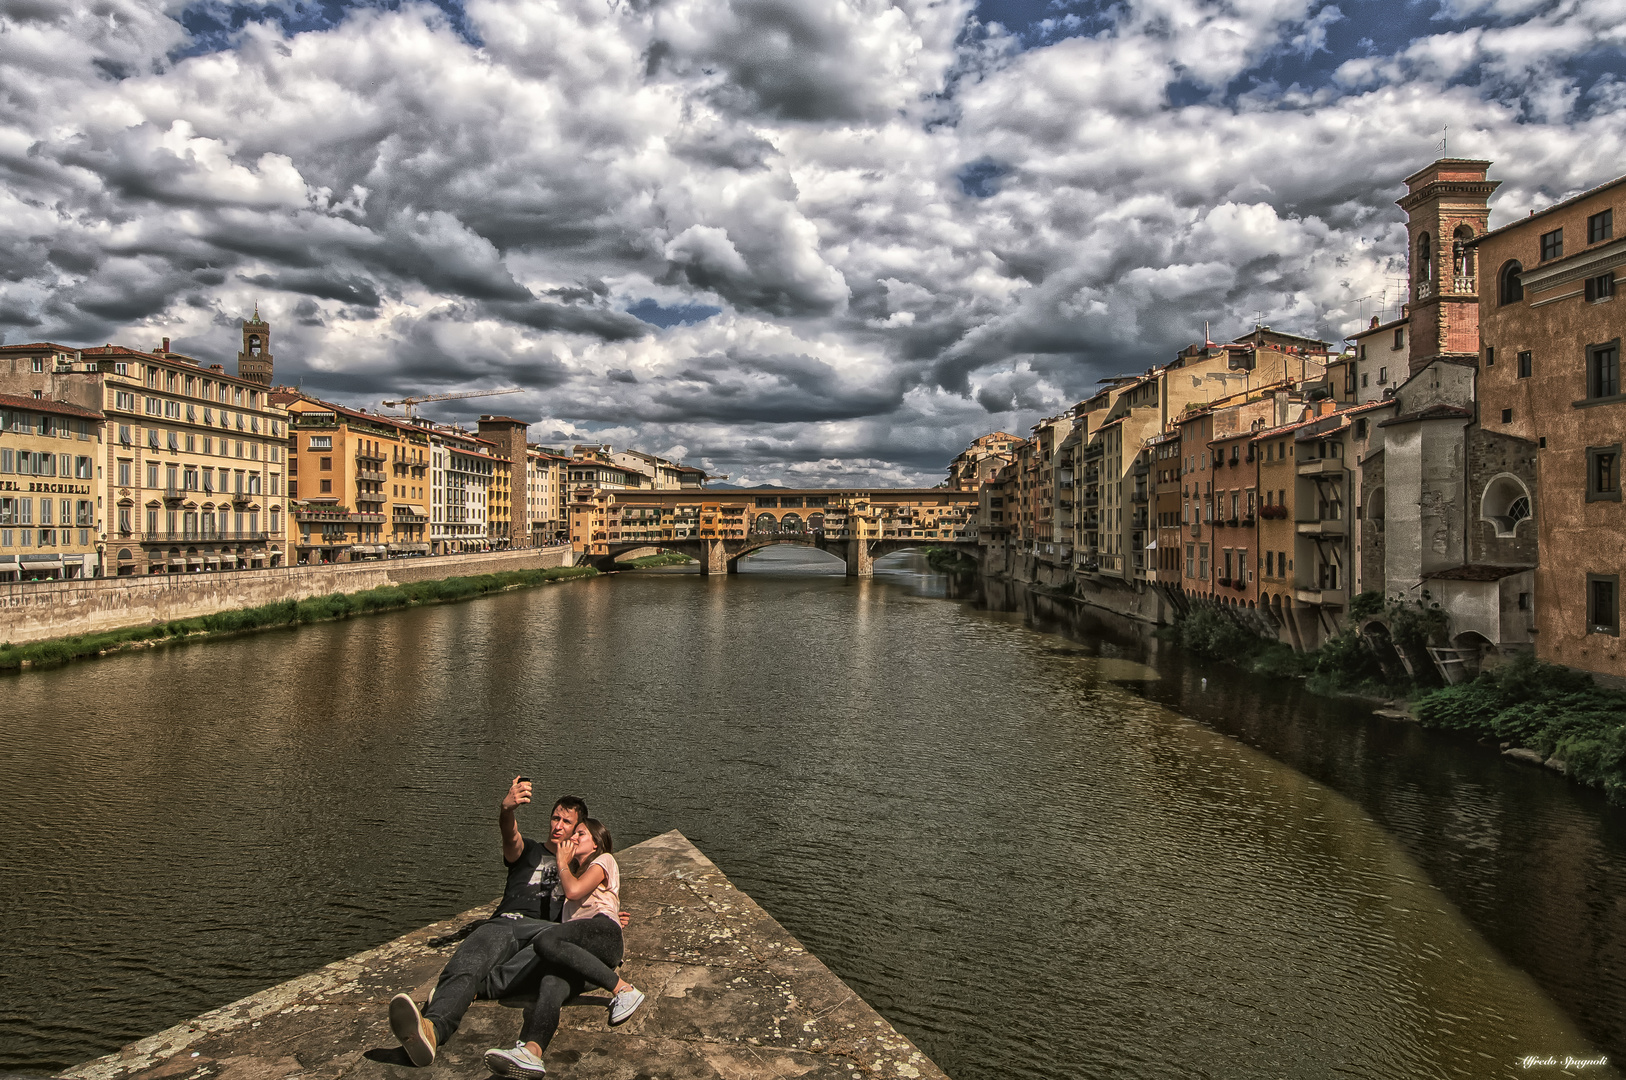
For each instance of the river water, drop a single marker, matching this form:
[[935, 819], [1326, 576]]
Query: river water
[[1038, 844]]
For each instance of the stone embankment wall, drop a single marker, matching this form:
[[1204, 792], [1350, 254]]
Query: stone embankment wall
[[50, 609], [1139, 601]]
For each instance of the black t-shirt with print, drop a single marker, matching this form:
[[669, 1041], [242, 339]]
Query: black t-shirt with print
[[531, 879]]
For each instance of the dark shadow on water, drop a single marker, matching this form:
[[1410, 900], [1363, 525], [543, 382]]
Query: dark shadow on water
[[1536, 863]]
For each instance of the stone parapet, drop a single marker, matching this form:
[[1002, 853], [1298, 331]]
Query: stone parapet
[[731, 996], [36, 611]]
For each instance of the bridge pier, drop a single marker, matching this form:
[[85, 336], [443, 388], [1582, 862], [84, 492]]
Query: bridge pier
[[860, 563], [714, 558]]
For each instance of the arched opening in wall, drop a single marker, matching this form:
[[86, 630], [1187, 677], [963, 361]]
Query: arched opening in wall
[[1510, 283], [1425, 264], [765, 525], [1475, 649], [1383, 647], [1462, 260], [1506, 502], [1374, 507], [815, 523], [791, 523]]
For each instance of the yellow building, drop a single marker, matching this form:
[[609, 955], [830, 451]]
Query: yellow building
[[358, 482], [50, 519], [545, 499], [192, 462]]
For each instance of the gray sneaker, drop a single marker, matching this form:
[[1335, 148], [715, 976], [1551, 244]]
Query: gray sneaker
[[625, 1004], [518, 1063], [417, 1035]]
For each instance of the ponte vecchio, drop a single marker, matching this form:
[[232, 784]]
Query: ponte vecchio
[[720, 526]]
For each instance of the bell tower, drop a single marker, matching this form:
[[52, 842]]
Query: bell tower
[[1447, 205], [254, 362]]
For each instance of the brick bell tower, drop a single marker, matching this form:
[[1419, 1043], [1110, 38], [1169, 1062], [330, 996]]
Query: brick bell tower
[[1447, 204], [254, 362]]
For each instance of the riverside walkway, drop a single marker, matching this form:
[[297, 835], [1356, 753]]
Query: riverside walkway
[[731, 996]]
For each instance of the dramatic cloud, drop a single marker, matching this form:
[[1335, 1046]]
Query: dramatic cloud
[[813, 241]]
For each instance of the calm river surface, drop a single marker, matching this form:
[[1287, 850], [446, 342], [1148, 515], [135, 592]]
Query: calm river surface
[[1040, 847]]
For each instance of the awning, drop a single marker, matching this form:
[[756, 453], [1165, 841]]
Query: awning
[[1152, 546], [411, 508]]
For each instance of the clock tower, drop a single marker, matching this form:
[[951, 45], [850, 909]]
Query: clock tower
[[254, 362]]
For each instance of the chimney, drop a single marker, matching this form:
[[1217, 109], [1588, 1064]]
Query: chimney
[[166, 347]]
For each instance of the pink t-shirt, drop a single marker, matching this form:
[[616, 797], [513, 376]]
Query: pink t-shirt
[[604, 900]]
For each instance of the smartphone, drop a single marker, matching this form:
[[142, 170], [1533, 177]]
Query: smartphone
[[523, 780]]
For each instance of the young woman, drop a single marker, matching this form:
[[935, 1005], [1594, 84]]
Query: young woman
[[583, 950]]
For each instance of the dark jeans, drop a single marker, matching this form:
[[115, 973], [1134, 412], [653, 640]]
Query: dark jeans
[[578, 954], [486, 947]]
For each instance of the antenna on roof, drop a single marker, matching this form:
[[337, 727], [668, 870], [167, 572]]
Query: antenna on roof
[[1445, 130]]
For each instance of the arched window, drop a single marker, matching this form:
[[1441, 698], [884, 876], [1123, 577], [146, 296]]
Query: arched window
[[1510, 287], [765, 525], [1425, 254], [1506, 503], [1462, 259]]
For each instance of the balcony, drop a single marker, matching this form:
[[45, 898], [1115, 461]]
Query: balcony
[[1332, 597], [174, 494], [1322, 467], [371, 474], [1196, 529], [365, 460], [242, 496], [1138, 497], [1322, 528], [370, 497]]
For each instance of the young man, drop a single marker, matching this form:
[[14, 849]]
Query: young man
[[528, 907]]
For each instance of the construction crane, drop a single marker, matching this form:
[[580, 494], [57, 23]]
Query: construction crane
[[411, 403]]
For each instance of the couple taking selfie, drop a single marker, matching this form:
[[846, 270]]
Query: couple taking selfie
[[556, 932]]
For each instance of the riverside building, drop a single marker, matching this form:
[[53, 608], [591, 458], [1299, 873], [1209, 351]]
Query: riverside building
[[1551, 323], [358, 483], [192, 465], [50, 490]]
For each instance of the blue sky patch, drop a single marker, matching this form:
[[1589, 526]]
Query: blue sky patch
[[679, 315]]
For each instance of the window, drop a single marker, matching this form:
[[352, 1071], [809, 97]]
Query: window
[[1526, 362], [1364, 378], [1603, 473], [1383, 373], [1552, 245], [1600, 226], [327, 487], [124, 474], [1400, 337], [1191, 560], [1603, 370], [1490, 356], [1510, 286], [1425, 271], [326, 464], [152, 474], [1603, 604], [1270, 564], [321, 442], [1507, 416], [1360, 428], [39, 364], [1601, 287]]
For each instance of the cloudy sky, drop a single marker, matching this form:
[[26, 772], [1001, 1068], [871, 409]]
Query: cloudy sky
[[808, 241]]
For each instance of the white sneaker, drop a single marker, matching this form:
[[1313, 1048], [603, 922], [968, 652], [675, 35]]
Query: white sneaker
[[625, 1004], [518, 1063]]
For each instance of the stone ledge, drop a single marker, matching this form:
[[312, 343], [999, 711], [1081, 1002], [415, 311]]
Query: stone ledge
[[731, 996]]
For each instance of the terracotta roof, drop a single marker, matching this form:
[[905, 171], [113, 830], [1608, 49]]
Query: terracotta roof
[[44, 405], [1478, 572], [1557, 206], [1433, 412]]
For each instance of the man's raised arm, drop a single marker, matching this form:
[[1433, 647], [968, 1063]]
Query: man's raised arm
[[513, 844]]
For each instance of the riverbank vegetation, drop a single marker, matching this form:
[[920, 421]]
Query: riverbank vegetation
[[665, 558], [283, 613], [1553, 711]]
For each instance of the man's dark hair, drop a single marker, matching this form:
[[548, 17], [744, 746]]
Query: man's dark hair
[[570, 802]]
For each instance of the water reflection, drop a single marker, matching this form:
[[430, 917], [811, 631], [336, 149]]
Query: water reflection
[[1037, 848]]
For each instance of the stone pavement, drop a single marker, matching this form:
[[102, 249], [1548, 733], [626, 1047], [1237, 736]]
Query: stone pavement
[[731, 996]]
